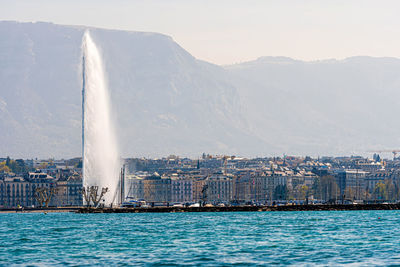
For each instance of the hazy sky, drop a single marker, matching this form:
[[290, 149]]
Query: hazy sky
[[229, 31]]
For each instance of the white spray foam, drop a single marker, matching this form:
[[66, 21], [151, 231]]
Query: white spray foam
[[100, 153]]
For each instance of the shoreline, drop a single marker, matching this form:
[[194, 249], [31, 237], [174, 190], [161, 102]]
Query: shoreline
[[39, 210], [319, 207]]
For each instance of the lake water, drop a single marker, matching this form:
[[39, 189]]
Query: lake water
[[287, 238]]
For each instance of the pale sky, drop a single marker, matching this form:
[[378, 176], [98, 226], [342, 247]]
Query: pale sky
[[232, 31]]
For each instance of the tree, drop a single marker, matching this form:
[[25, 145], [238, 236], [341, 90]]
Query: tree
[[78, 164], [300, 192], [380, 191], [21, 166], [281, 192], [304, 191], [390, 190], [349, 193], [16, 166], [397, 191], [4, 167], [385, 190], [43, 165]]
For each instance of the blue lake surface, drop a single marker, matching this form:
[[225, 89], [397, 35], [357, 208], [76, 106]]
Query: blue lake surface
[[240, 238]]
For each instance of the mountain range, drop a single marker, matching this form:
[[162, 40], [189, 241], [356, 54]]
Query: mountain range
[[165, 101]]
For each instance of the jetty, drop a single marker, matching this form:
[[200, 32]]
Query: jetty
[[39, 209], [319, 207]]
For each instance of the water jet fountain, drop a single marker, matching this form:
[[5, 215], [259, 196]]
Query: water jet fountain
[[99, 146]]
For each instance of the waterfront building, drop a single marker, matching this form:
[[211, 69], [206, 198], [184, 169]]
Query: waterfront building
[[260, 187], [74, 190], [219, 188], [373, 178], [41, 180], [250, 188], [275, 185], [15, 191], [181, 190], [157, 189], [22, 191], [199, 188], [135, 186], [242, 188], [351, 183], [61, 195]]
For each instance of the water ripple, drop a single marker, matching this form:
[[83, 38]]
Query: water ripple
[[207, 239]]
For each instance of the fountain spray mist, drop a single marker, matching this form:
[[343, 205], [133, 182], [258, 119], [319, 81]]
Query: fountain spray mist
[[99, 144]]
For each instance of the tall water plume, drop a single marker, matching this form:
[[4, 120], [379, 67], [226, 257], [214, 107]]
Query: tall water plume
[[99, 144]]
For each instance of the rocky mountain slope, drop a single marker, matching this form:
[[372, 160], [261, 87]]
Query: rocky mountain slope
[[168, 102], [165, 100], [337, 107]]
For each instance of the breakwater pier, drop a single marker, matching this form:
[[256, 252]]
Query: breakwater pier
[[38, 210], [321, 207], [333, 207]]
